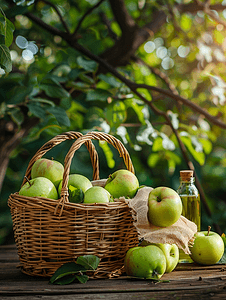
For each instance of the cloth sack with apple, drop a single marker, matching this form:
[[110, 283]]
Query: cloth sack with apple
[[180, 232]]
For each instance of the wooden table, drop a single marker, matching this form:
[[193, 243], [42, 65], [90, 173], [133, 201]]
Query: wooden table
[[186, 282]]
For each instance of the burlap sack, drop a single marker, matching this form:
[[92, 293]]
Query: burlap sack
[[180, 233]]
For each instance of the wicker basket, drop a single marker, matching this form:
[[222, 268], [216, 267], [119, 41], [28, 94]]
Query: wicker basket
[[49, 233]]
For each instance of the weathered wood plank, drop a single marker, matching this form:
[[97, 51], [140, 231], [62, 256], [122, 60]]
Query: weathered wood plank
[[206, 293], [185, 282]]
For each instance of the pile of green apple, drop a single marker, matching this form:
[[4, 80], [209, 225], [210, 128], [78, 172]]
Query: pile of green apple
[[151, 261], [47, 176]]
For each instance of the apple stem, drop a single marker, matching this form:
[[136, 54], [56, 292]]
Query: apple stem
[[158, 199], [27, 180], [209, 227]]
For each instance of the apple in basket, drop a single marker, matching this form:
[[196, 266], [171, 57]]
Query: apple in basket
[[164, 207], [39, 187], [171, 253], [77, 186], [122, 183], [147, 262], [208, 248], [51, 169], [97, 194]]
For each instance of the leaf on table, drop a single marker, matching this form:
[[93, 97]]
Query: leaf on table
[[65, 280], [66, 269], [82, 278], [89, 262]]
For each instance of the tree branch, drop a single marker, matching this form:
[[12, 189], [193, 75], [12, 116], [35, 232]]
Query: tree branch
[[134, 86], [84, 16], [45, 26], [58, 13], [122, 17]]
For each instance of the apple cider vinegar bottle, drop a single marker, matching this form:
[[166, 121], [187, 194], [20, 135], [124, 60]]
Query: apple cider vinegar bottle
[[191, 204]]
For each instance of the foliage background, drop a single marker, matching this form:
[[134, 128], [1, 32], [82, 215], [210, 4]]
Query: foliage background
[[152, 73]]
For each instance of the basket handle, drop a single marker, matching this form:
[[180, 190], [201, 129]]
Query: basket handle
[[84, 139], [70, 135]]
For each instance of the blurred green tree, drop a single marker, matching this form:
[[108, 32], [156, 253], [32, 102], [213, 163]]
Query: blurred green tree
[[152, 73]]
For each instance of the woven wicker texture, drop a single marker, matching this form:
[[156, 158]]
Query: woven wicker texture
[[49, 232]]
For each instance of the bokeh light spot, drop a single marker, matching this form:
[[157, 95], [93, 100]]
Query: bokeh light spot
[[21, 42], [149, 47], [167, 63], [158, 42], [161, 52], [183, 51], [27, 54], [32, 47]]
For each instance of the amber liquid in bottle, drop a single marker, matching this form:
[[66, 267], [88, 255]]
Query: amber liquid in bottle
[[191, 204]]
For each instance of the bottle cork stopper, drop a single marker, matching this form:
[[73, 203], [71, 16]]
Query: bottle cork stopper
[[186, 174]]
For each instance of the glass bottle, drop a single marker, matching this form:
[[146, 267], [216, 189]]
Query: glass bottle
[[191, 204]]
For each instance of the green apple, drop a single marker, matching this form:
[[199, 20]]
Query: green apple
[[39, 187], [122, 183], [208, 248], [51, 169], [171, 253], [164, 206], [97, 194], [77, 186], [145, 262]]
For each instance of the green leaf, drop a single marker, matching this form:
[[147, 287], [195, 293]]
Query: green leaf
[[43, 101], [53, 88], [17, 115], [98, 94], [88, 65], [67, 269], [60, 115], [74, 74], [75, 195], [2, 39], [198, 156], [207, 145], [108, 154], [90, 262], [116, 113], [153, 159], [138, 109], [19, 93], [6, 29], [157, 144], [5, 59], [36, 110], [86, 78], [67, 279], [82, 278], [110, 80]]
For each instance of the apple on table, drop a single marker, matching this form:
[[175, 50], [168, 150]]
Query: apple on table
[[39, 187], [164, 207], [51, 169], [171, 252], [122, 183], [208, 247], [147, 262]]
